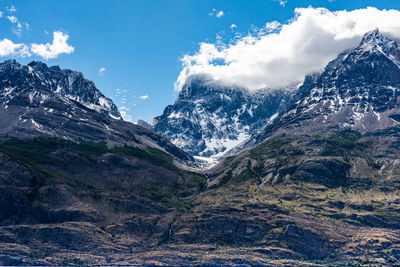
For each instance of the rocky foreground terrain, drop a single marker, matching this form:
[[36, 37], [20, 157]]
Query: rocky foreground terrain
[[313, 188], [308, 200]]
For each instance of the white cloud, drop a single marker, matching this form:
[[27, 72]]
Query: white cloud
[[272, 26], [101, 71], [124, 113], [233, 26], [278, 55], [24, 51], [281, 2], [1, 14], [11, 9], [8, 48], [18, 30], [216, 13], [125, 116], [13, 19], [144, 97], [53, 50]]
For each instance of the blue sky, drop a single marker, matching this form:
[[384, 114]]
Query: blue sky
[[140, 42]]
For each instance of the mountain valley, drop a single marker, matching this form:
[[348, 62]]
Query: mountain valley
[[303, 176]]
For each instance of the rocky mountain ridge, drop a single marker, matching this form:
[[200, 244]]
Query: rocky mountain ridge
[[208, 118], [17, 79], [359, 90], [37, 100]]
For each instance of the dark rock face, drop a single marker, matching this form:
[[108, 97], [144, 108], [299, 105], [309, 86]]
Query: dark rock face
[[221, 229], [207, 119], [315, 246], [330, 173], [364, 78]]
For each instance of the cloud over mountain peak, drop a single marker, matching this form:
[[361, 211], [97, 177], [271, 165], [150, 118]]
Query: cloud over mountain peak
[[280, 54]]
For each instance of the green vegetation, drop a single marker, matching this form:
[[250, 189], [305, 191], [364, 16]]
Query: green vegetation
[[246, 175], [37, 152], [34, 154], [345, 139], [169, 197], [202, 181], [86, 149], [346, 143], [40, 253], [229, 159], [71, 261], [48, 158], [226, 178], [153, 155], [276, 147]]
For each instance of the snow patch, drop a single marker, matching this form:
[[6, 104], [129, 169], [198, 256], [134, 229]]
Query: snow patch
[[174, 115], [273, 117], [37, 125]]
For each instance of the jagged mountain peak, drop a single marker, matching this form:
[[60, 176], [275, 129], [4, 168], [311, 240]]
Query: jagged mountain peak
[[202, 84], [375, 38], [358, 90], [36, 79], [209, 118], [10, 64], [38, 100], [37, 63], [40, 66], [196, 85], [375, 61], [373, 44], [376, 43]]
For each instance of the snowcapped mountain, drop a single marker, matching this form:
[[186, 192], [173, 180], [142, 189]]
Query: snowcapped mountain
[[208, 119], [359, 90], [17, 81], [37, 100]]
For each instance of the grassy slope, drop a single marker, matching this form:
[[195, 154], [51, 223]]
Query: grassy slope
[[38, 150]]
